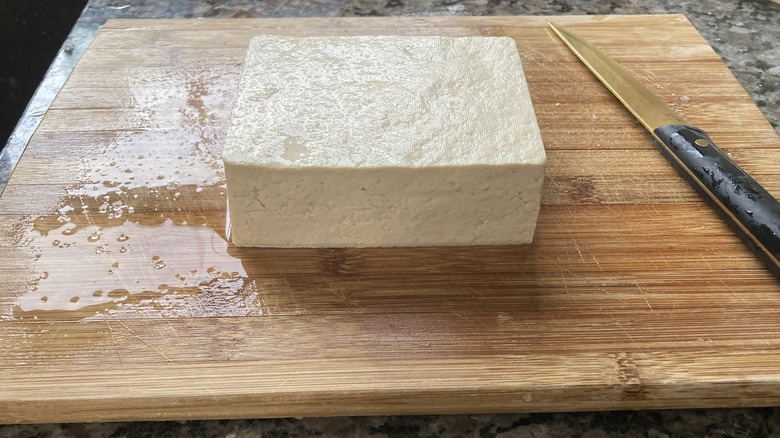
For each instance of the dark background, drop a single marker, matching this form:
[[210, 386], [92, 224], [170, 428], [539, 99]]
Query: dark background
[[31, 33]]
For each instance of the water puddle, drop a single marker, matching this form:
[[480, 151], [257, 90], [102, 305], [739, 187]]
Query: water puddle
[[141, 234], [96, 258]]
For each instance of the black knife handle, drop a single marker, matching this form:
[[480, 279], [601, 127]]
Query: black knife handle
[[741, 201]]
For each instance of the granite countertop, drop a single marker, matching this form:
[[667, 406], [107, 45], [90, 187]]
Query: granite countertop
[[745, 35]]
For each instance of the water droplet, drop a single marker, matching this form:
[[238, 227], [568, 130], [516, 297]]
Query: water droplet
[[110, 272], [94, 237], [55, 243], [115, 265], [123, 249], [160, 177], [99, 250], [122, 238], [44, 299], [158, 262]]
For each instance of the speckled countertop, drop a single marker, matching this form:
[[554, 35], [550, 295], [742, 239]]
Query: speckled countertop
[[744, 33]]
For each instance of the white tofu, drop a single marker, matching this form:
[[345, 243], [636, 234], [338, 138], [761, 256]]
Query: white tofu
[[383, 141]]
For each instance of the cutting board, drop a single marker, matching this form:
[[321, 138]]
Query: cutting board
[[121, 298]]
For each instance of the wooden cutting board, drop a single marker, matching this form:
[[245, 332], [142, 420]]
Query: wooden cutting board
[[120, 298]]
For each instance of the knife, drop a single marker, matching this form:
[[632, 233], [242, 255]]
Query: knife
[[746, 206]]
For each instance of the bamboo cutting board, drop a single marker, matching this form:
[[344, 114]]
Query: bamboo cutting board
[[120, 298]]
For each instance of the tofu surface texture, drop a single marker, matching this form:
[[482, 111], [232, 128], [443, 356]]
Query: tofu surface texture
[[382, 141]]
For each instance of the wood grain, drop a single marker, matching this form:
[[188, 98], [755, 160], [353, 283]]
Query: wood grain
[[121, 299]]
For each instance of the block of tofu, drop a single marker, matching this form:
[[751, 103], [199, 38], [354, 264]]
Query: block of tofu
[[383, 141]]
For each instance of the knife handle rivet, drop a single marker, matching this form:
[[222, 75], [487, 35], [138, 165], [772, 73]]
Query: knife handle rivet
[[702, 142]]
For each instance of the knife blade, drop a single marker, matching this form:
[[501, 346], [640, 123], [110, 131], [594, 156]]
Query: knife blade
[[741, 201]]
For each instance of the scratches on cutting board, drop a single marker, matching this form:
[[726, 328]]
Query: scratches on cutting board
[[144, 341], [115, 344], [641, 291]]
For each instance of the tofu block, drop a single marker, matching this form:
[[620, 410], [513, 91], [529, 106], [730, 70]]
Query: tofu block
[[383, 141]]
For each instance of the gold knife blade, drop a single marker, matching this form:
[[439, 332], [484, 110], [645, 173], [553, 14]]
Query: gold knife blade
[[646, 106]]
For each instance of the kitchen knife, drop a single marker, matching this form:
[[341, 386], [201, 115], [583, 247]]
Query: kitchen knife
[[741, 201]]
